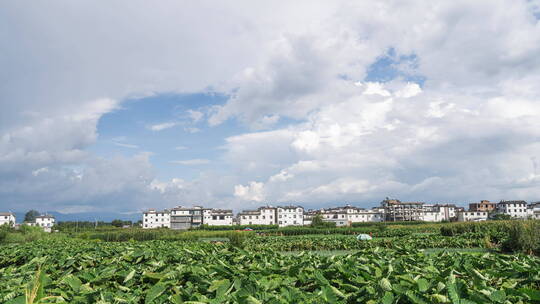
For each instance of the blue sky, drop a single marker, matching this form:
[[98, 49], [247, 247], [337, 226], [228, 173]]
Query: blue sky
[[128, 130], [234, 105]]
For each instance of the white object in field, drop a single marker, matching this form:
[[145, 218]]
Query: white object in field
[[363, 237]]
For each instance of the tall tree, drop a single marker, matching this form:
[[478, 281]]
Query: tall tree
[[31, 215]]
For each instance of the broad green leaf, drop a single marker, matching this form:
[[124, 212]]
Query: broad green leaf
[[129, 276], [155, 292], [423, 284], [385, 284], [498, 296], [388, 298], [252, 300]]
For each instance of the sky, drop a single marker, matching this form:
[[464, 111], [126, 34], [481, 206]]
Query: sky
[[120, 106]]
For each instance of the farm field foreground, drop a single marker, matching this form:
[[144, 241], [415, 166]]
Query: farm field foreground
[[259, 270]]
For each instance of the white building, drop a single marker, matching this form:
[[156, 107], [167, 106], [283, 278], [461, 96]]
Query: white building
[[366, 215], [335, 215], [7, 218], [347, 215], [472, 216], [290, 216], [45, 221], [516, 209], [217, 217], [309, 215], [533, 211], [185, 218], [262, 216], [438, 212], [156, 219]]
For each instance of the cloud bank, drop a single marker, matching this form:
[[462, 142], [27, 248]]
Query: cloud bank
[[320, 132]]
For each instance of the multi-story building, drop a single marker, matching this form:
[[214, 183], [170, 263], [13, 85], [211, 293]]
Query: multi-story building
[[472, 216], [217, 217], [185, 218], [438, 212], [309, 215], [7, 218], [395, 210], [156, 219], [290, 216], [45, 221], [261, 216], [516, 209], [346, 215], [336, 215], [483, 205], [533, 211]]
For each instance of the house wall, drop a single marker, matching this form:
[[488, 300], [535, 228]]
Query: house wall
[[516, 210], [262, 216], [157, 219], [213, 218], [290, 216], [7, 219]]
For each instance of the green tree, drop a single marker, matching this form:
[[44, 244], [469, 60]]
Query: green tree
[[500, 216], [31, 215], [117, 223], [318, 222]]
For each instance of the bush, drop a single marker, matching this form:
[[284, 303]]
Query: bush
[[237, 239], [235, 227], [523, 236]]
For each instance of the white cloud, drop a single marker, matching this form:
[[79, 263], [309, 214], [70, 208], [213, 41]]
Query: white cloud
[[162, 126], [192, 130], [40, 171], [124, 145], [468, 132], [455, 150], [195, 116], [254, 191], [192, 162]]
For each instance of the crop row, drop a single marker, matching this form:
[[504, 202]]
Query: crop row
[[187, 272], [346, 242]]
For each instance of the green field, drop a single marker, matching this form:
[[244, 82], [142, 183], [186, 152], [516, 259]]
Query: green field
[[475, 267]]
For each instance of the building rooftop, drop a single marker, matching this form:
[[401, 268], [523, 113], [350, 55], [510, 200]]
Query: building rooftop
[[290, 207], [156, 211], [6, 214], [226, 211], [181, 208], [512, 202]]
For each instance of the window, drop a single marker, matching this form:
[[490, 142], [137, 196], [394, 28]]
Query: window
[[263, 217], [280, 222]]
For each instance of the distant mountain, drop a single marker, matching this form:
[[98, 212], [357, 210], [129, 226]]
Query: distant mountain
[[87, 216]]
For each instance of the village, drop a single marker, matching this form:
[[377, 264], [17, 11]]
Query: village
[[390, 210]]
